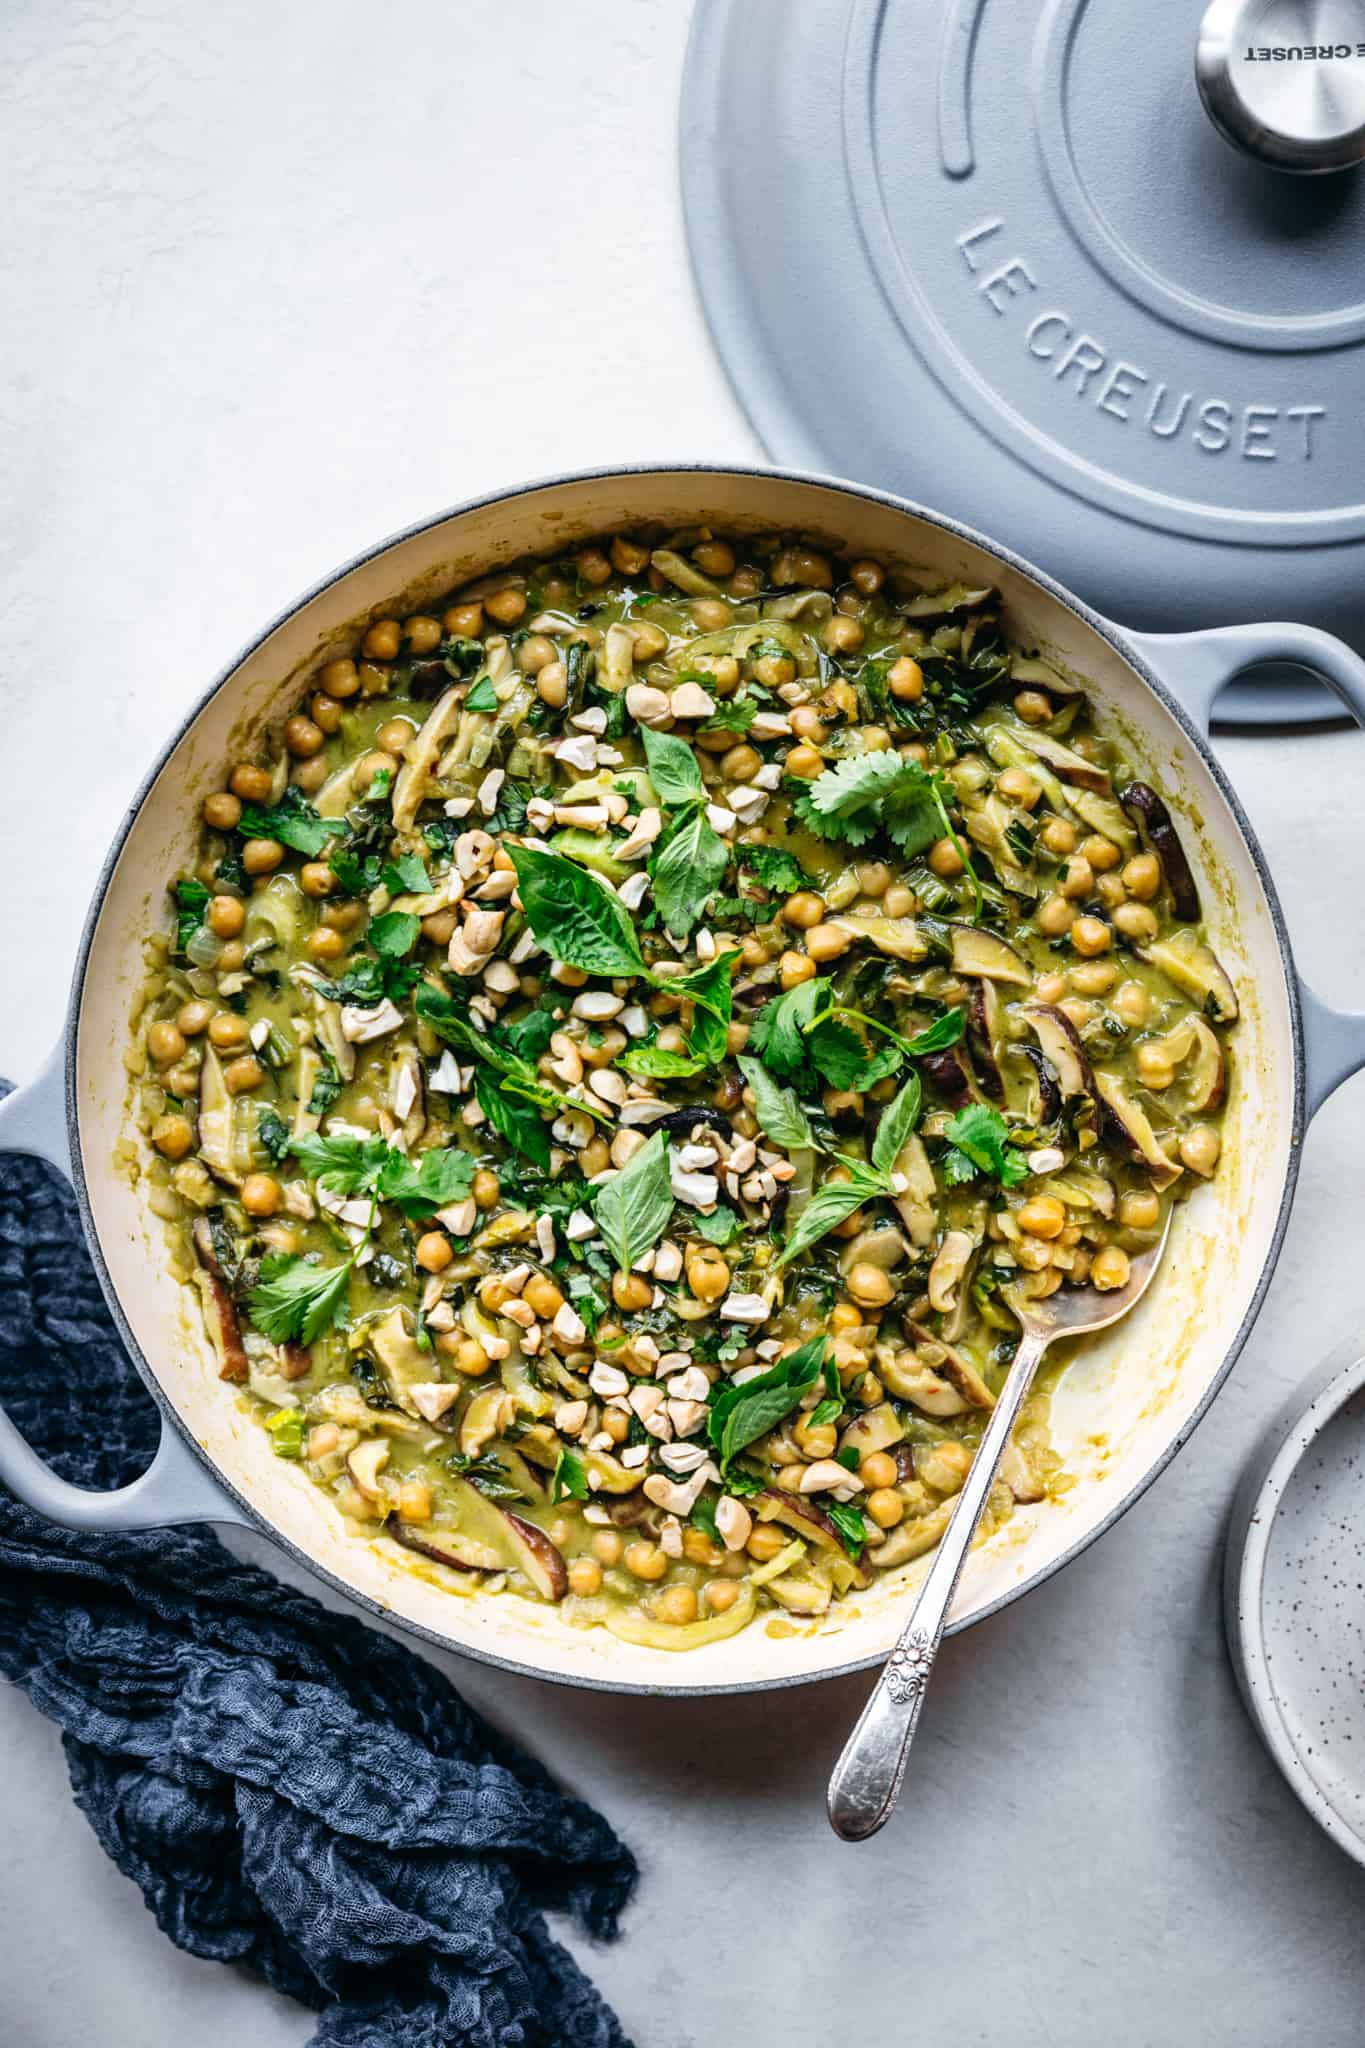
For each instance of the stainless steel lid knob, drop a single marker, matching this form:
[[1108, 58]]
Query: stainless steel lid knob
[[1285, 80]]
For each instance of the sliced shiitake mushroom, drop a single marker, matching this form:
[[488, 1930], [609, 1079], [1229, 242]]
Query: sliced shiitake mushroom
[[1154, 820], [220, 1311], [1129, 1122], [953, 1365], [451, 1547], [1060, 1042], [981, 952], [1066, 762]]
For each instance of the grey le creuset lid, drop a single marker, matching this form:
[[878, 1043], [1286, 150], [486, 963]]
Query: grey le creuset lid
[[1047, 264]]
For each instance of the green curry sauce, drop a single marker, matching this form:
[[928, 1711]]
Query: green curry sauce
[[624, 1040]]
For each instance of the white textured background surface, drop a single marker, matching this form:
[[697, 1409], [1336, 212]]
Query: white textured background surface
[[276, 281]]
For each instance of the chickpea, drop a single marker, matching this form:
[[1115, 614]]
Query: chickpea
[[507, 606], [802, 566], [1091, 935], [1058, 836], [871, 1286], [261, 856], [536, 652], [464, 621], [1101, 853], [808, 725], [1043, 1216], [552, 685], [260, 1194], [817, 1440], [325, 944], [1136, 922], [166, 1044], [765, 1540], [1153, 1064], [944, 859], [945, 1468], [607, 1546], [804, 909], [325, 712], [1109, 1268], [193, 1017], [843, 1317], [303, 736], [370, 765], [840, 700], [593, 567], [1139, 1209], [843, 635], [1132, 1003], [628, 557], [340, 679], [827, 942], [874, 878], [414, 1500], [585, 1577], [773, 670], [382, 641], [720, 1595], [1055, 916], [740, 764], [544, 1297], [676, 1604], [1093, 977], [793, 968], [232, 956], [469, 1355], [228, 1031], [487, 1189], [650, 640], [173, 1135], [899, 901], [394, 735], [905, 680], [1020, 787], [1142, 876], [1199, 1149], [1033, 706], [222, 810], [242, 1075], [434, 1251], [645, 1560], [252, 785], [708, 1274], [316, 878], [631, 1292], [1078, 878], [1051, 987], [885, 1507], [878, 1468], [423, 634], [309, 776], [866, 576], [715, 558]]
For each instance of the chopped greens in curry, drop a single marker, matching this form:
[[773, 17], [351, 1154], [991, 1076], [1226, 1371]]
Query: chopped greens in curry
[[623, 1042]]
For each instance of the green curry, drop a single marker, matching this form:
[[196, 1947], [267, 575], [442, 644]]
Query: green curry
[[623, 1042]]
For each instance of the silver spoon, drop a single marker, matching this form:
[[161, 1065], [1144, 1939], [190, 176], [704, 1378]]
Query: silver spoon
[[867, 1778]]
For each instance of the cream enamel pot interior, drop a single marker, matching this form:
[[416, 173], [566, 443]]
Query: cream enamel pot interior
[[1121, 1411]]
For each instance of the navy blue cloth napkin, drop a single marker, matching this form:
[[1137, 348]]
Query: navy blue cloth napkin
[[290, 1790]]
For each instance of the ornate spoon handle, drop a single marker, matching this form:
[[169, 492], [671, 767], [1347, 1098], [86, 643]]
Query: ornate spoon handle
[[867, 1778]]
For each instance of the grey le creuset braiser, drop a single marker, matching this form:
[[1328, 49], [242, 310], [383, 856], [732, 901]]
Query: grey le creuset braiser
[[1121, 1410]]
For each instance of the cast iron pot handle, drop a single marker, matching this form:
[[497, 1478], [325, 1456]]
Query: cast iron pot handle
[[1196, 666], [175, 1487]]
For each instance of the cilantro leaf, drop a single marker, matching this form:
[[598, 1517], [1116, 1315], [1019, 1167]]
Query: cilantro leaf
[[326, 1088], [405, 876], [292, 821], [778, 1034], [296, 1300], [356, 875], [741, 1414], [273, 1134], [735, 715], [980, 1135], [420, 1186], [394, 935], [775, 868], [869, 792]]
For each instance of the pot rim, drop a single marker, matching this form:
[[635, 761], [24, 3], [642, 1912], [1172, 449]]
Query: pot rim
[[1115, 638]]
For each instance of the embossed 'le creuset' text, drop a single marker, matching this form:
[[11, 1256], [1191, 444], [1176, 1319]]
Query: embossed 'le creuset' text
[[1121, 389]]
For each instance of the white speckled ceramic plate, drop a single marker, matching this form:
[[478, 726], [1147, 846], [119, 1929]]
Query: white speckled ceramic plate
[[1294, 1592]]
